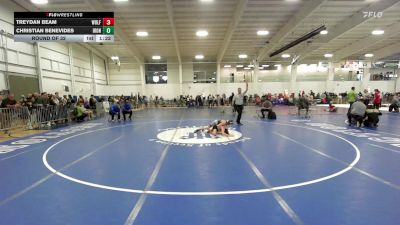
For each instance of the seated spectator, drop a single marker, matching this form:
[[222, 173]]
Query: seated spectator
[[114, 110], [332, 108], [266, 107], [395, 104], [372, 117], [80, 112], [127, 109], [357, 112]]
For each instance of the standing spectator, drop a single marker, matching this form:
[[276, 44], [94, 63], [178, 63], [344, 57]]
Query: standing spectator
[[377, 99], [64, 100], [351, 96], [1, 101], [238, 102], [395, 104], [9, 102], [71, 100], [366, 96], [92, 102], [231, 98]]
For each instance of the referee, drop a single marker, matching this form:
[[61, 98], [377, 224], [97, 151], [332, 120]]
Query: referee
[[238, 103]]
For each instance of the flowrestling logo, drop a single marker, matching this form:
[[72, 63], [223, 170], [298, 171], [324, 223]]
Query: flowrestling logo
[[185, 136], [26, 142]]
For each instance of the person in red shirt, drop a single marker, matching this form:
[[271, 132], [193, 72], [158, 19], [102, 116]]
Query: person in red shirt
[[377, 99]]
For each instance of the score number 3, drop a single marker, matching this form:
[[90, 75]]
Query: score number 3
[[108, 21]]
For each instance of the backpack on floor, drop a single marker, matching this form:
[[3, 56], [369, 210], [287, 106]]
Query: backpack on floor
[[272, 115]]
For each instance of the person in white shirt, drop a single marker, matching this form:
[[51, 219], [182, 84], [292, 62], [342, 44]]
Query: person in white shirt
[[238, 102]]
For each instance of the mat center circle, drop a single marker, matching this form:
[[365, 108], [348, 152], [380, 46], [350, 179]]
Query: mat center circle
[[186, 135]]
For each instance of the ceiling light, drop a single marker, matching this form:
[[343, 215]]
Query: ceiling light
[[114, 58], [251, 66], [39, 2], [156, 57], [243, 56], [202, 33], [206, 0], [260, 67], [121, 0], [369, 55], [323, 32], [328, 55], [378, 32], [247, 68], [262, 32], [239, 66], [265, 65], [285, 55], [277, 65], [199, 56], [227, 66], [142, 34]]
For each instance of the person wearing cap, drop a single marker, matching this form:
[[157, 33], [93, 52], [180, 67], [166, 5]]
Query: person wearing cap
[[357, 112]]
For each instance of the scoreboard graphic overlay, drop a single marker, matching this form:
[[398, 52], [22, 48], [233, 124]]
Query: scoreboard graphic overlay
[[64, 26]]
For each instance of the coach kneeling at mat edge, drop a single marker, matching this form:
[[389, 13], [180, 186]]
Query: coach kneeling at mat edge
[[357, 112], [238, 102], [266, 107]]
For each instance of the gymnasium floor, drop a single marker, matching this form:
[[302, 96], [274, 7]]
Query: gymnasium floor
[[155, 171]]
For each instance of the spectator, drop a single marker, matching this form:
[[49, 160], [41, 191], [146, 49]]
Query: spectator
[[395, 104], [303, 104], [1, 101], [80, 112], [351, 96], [266, 107], [372, 117], [366, 96], [377, 99], [92, 102], [127, 109], [114, 110], [9, 102], [357, 112]]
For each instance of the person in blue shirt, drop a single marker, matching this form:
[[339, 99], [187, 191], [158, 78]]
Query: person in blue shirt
[[127, 109], [114, 110]]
